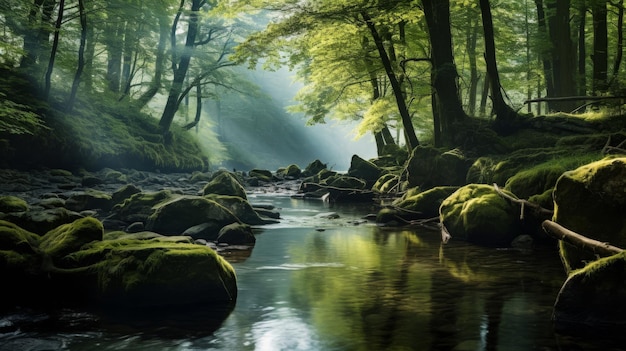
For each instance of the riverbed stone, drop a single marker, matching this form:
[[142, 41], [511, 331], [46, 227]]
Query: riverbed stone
[[241, 208], [590, 299], [138, 207], [314, 168], [124, 193], [428, 167], [263, 175], [421, 205], [10, 203], [225, 184], [365, 170], [71, 237], [88, 200], [478, 214], [236, 234], [591, 200], [175, 216], [41, 221]]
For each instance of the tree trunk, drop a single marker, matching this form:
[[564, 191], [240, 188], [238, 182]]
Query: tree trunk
[[53, 51], [450, 108], [37, 34], [582, 49], [159, 64], [471, 39], [483, 96], [409, 131], [619, 52], [600, 47], [181, 68], [505, 115], [563, 54], [81, 55], [545, 53]]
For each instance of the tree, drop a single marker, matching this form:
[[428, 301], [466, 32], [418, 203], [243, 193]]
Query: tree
[[600, 55], [447, 108]]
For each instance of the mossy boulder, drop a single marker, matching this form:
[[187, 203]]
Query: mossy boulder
[[71, 237], [591, 200], [41, 221], [139, 206], [240, 208], [236, 234], [263, 175], [89, 200], [424, 204], [478, 214], [175, 216], [19, 251], [536, 180], [225, 184], [292, 171], [314, 168], [10, 203], [124, 193], [428, 167], [344, 182], [590, 300], [365, 170], [386, 183]]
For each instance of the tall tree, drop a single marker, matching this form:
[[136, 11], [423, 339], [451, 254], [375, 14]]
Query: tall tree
[[53, 51], [600, 55], [81, 55], [448, 108]]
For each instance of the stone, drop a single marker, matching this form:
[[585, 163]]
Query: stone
[[314, 168], [124, 193], [88, 200], [10, 203], [71, 237], [225, 184], [40, 222], [365, 170], [236, 234]]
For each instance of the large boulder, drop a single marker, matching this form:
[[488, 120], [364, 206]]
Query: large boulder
[[41, 221], [236, 234], [71, 237], [591, 200], [314, 168], [365, 170], [590, 300], [89, 200], [240, 208], [416, 205], [478, 214], [10, 203], [18, 250], [175, 216], [225, 184], [428, 167], [138, 207]]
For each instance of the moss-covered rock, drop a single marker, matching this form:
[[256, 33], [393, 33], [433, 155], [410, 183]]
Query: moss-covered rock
[[240, 208], [478, 214], [40, 222], [292, 171], [344, 182], [365, 170], [591, 200], [236, 234], [424, 204], [314, 168], [124, 193], [10, 203], [180, 213], [263, 175], [386, 183], [18, 250], [139, 206], [590, 301], [89, 200], [225, 184], [71, 237], [428, 167]]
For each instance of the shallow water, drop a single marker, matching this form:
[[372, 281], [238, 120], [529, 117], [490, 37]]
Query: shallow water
[[314, 282]]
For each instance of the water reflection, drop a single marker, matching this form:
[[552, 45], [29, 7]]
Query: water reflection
[[361, 288]]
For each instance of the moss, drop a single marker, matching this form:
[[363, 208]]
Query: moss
[[140, 204], [10, 203], [424, 204], [68, 238], [478, 214], [19, 251], [385, 183], [261, 174], [225, 184], [314, 168], [544, 199]]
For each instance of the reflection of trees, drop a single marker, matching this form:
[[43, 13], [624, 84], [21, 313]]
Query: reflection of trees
[[376, 300]]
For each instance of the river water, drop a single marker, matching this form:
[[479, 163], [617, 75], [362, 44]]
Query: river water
[[316, 282]]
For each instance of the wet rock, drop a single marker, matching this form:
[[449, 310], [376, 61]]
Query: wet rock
[[10, 203], [71, 237], [478, 214], [261, 174], [236, 234], [590, 300], [240, 208], [365, 170], [42, 221], [314, 168], [124, 193], [88, 200], [139, 207], [591, 200], [422, 205], [292, 171], [225, 184], [207, 231], [428, 167]]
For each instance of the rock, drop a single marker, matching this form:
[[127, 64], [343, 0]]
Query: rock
[[89, 200], [139, 207], [240, 208], [314, 168], [428, 167], [590, 300], [386, 183], [198, 176], [365, 170], [71, 237], [536, 180], [182, 212], [20, 263], [417, 205], [207, 231], [345, 182], [40, 222], [236, 234], [478, 214], [261, 174], [591, 201], [290, 172], [90, 180], [124, 193], [10, 203], [225, 184], [135, 227], [51, 202]]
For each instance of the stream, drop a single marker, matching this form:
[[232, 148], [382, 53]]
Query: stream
[[324, 279]]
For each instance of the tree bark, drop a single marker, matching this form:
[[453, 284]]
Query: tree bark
[[53, 51], [600, 55], [562, 54], [450, 108], [582, 49], [471, 39], [81, 55], [582, 242], [159, 64], [545, 53], [619, 52], [409, 130], [180, 69], [505, 115]]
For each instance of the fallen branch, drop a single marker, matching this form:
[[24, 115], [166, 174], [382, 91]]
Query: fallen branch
[[573, 98], [582, 242], [524, 203]]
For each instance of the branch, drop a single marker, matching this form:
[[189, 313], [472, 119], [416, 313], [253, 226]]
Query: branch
[[557, 231], [524, 203], [573, 98]]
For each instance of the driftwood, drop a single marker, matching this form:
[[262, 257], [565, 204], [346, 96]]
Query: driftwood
[[582, 242], [540, 211]]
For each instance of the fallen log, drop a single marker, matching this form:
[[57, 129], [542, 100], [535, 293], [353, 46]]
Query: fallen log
[[582, 242]]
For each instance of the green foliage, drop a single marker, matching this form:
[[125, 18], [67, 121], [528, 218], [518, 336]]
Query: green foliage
[[16, 118]]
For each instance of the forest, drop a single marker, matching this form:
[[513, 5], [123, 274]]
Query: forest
[[407, 72]]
